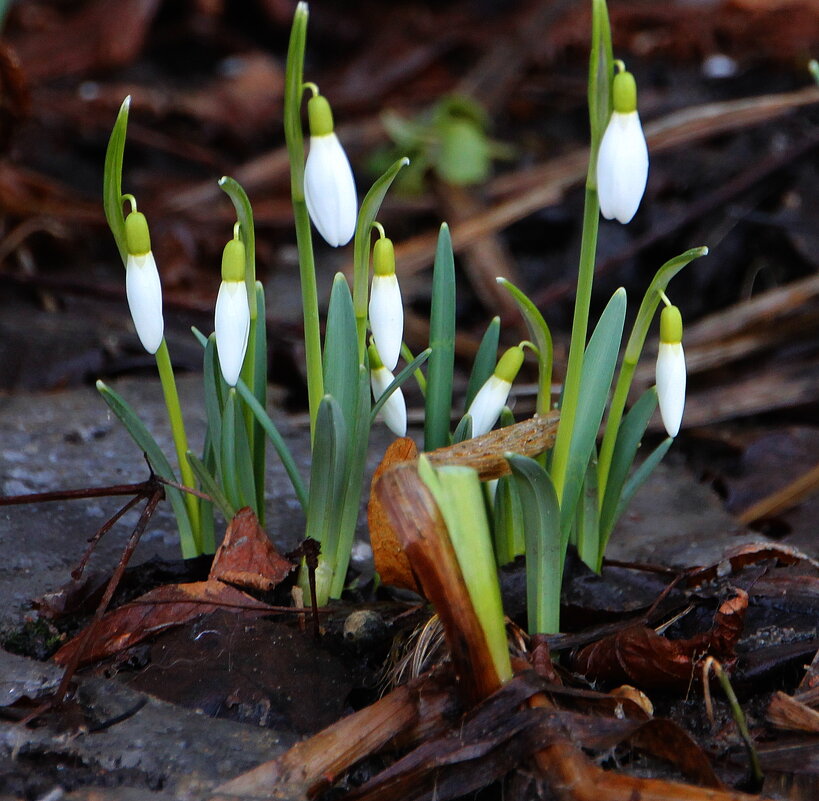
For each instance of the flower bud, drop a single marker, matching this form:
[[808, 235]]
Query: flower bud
[[622, 160], [394, 410], [232, 317], [329, 186], [386, 310], [487, 405], [671, 370], [142, 285]]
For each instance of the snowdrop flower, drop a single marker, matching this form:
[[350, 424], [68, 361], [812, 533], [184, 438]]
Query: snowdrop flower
[[394, 410], [142, 286], [329, 187], [671, 370], [386, 311], [622, 161], [232, 318], [487, 405]]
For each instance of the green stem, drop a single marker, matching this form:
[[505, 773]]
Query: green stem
[[180, 439], [577, 346], [618, 405], [294, 137], [599, 95]]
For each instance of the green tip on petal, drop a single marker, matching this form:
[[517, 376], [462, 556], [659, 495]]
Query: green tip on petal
[[671, 327], [320, 116], [137, 237], [384, 257], [233, 261], [624, 93], [509, 364], [375, 359]]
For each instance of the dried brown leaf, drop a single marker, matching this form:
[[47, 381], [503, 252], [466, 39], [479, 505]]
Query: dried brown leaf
[[247, 557], [640, 656], [153, 612], [391, 562]]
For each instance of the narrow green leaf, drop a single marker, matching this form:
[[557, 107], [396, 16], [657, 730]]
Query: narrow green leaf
[[340, 358], [639, 476], [625, 448], [207, 526], [214, 393], [541, 338], [463, 430], [244, 462], [595, 382], [438, 401], [227, 452], [327, 480], [353, 469], [279, 445], [485, 360], [398, 381], [507, 522], [260, 393], [420, 379], [587, 518], [545, 548], [112, 179], [210, 486], [159, 464]]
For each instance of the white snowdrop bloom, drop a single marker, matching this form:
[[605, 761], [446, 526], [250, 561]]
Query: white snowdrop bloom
[[394, 410], [670, 375], [329, 186], [142, 285], [622, 160], [232, 317], [487, 405], [386, 311]]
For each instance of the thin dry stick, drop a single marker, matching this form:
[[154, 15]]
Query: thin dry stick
[[783, 499], [113, 583]]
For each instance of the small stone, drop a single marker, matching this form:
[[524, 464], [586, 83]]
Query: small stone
[[364, 626]]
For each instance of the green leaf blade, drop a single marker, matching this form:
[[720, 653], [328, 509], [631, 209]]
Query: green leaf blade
[[438, 400]]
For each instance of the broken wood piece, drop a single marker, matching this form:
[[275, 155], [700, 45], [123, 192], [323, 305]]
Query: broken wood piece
[[787, 712], [486, 453], [426, 705]]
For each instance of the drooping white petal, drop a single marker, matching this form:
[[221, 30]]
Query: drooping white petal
[[487, 405], [671, 385], [232, 326], [394, 410], [144, 292], [622, 167], [329, 190], [387, 318]]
